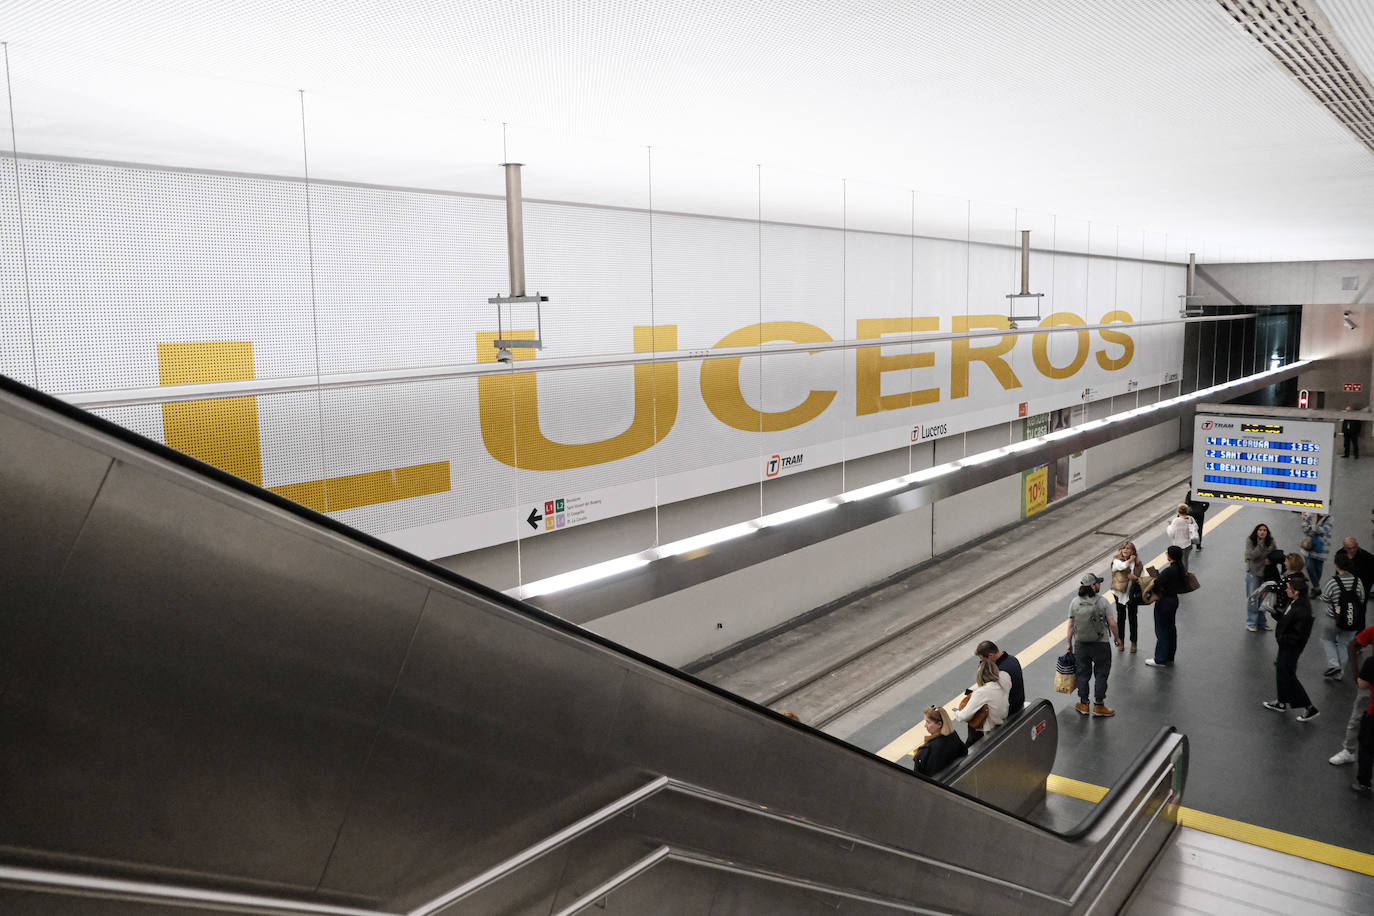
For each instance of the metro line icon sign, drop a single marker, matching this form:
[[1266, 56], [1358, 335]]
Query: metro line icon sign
[[777, 463]]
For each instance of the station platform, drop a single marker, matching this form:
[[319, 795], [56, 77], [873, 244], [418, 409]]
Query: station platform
[[1256, 777]]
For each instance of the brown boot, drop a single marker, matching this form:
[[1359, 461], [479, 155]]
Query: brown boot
[[1133, 648], [1103, 711], [1082, 708]]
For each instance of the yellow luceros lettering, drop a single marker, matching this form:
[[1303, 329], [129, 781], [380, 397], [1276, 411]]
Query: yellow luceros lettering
[[720, 386], [870, 364], [1116, 337], [963, 352], [508, 408], [1040, 346]]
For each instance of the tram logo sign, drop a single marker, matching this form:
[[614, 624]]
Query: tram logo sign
[[778, 463], [1206, 424]]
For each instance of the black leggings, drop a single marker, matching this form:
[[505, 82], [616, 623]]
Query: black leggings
[[1126, 614]]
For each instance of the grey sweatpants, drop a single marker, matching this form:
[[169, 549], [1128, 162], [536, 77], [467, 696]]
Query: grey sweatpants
[[1352, 727]]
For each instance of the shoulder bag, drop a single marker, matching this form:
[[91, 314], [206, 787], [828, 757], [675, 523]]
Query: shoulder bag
[[980, 718]]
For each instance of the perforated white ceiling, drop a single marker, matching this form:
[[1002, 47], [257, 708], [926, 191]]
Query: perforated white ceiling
[[1155, 115]]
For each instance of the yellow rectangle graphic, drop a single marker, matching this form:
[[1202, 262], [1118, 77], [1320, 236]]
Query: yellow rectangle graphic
[[354, 490], [202, 362], [223, 431]]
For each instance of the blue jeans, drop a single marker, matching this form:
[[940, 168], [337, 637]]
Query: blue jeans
[[1314, 570], [1166, 630], [1094, 663], [1254, 617]]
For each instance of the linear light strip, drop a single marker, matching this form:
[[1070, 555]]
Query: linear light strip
[[166, 394], [619, 565]]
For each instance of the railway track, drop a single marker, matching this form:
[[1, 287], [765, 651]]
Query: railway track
[[822, 691]]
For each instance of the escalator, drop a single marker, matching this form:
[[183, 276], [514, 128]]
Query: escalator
[[215, 700]]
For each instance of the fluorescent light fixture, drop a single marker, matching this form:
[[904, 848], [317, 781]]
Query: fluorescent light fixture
[[625, 564], [706, 539], [796, 512], [930, 473], [979, 458], [583, 576], [873, 489]]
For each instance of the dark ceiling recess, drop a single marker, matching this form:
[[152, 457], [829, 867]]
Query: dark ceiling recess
[[1303, 40]]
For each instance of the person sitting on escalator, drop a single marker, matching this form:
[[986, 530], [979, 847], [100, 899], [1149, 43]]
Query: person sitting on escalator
[[994, 692], [943, 747]]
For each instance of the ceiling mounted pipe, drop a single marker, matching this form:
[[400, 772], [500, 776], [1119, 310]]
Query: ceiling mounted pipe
[[515, 229]]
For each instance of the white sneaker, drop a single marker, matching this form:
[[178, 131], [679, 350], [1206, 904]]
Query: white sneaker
[[1341, 758]]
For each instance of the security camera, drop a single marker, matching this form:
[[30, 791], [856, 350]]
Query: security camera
[[1350, 322]]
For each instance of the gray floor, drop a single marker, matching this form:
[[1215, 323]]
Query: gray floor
[[1247, 763]]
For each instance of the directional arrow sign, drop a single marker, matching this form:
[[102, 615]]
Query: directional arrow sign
[[534, 518]]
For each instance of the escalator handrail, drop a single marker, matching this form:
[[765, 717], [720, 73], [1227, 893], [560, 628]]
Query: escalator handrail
[[1129, 783], [46, 880]]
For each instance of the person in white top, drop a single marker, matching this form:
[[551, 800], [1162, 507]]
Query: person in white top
[[1182, 532], [1126, 572], [994, 690]]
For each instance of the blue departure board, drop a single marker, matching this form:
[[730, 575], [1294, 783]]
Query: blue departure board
[[1282, 463]]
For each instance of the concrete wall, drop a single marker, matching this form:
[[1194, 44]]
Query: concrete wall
[[1345, 354], [713, 615], [718, 613], [1286, 283]]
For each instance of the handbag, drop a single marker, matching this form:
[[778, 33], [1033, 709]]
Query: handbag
[[1147, 587], [980, 718], [1305, 544], [1192, 584], [1065, 673]]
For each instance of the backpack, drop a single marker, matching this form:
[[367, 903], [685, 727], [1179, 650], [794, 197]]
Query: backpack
[[1089, 625], [1346, 611]]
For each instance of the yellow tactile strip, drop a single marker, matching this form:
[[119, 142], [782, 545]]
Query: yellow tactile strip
[[1287, 843]]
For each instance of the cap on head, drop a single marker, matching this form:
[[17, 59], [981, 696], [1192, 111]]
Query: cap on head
[[1089, 579]]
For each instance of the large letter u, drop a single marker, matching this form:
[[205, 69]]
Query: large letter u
[[508, 403]]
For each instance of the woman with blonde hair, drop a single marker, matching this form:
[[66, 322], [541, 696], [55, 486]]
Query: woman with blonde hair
[[1126, 572], [942, 747], [994, 692]]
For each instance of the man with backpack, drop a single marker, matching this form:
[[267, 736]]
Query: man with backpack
[[1344, 596], [1091, 621]]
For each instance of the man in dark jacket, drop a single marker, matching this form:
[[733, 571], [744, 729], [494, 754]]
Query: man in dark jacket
[[1350, 435], [1361, 562], [1293, 628], [1007, 662]]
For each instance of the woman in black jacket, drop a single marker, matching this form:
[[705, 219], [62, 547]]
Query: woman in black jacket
[[943, 747], [1167, 586], [1293, 628]]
